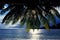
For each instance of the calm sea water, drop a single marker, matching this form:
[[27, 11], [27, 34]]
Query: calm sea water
[[22, 34]]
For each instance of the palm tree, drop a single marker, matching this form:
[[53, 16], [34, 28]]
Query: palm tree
[[32, 12]]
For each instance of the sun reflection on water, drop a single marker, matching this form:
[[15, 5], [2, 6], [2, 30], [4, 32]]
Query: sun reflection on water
[[34, 34]]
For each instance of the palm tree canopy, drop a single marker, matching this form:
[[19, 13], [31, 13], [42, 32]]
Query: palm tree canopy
[[32, 12]]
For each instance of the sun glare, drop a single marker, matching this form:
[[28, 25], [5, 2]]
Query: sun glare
[[35, 31]]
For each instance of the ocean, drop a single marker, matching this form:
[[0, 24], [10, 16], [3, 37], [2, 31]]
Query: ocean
[[15, 34]]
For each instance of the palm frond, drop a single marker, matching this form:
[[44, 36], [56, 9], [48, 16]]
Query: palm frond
[[8, 16], [15, 19], [45, 22], [55, 12], [29, 24], [50, 17], [23, 20], [37, 23], [7, 21]]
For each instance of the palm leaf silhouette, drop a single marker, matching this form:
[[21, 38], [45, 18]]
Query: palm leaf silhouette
[[23, 20], [45, 22], [55, 12], [50, 17], [32, 12]]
